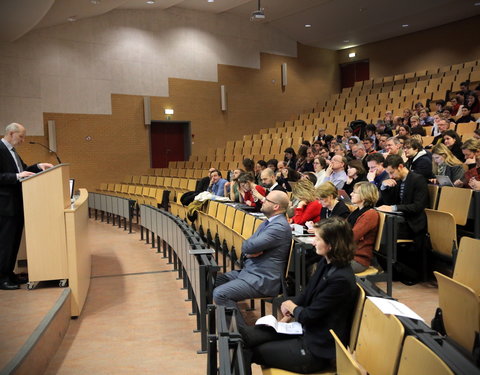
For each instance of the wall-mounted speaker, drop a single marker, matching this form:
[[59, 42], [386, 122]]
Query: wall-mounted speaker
[[147, 114], [223, 98], [284, 74], [52, 135]]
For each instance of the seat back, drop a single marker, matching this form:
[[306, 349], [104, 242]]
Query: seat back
[[468, 263], [460, 309], [442, 230], [357, 316], [379, 341], [417, 358], [248, 226], [238, 221], [346, 364], [433, 191], [455, 201], [381, 224]]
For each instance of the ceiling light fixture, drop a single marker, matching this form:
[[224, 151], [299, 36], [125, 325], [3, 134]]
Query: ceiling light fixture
[[72, 18], [351, 54], [95, 2], [211, 1], [308, 25], [150, 2], [476, 4], [346, 41], [405, 25]]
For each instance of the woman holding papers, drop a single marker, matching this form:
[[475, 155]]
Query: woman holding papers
[[327, 303]]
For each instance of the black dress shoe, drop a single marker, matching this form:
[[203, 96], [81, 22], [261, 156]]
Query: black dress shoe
[[18, 279], [8, 285]]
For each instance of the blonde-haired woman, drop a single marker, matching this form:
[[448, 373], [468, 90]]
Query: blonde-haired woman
[[327, 194], [364, 222], [446, 164], [308, 208]]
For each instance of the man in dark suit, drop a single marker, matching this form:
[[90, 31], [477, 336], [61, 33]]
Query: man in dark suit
[[12, 169], [407, 193], [265, 253], [269, 181]]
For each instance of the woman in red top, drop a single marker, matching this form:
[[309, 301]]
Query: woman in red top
[[308, 209], [364, 222], [251, 194]]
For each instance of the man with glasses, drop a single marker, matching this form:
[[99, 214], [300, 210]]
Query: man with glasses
[[265, 256], [336, 171]]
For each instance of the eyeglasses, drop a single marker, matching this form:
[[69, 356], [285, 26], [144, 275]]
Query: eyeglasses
[[268, 200]]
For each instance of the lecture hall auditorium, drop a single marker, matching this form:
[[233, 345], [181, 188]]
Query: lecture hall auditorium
[[142, 99]]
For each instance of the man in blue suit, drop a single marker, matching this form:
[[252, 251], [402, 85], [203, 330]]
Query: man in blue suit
[[266, 253]]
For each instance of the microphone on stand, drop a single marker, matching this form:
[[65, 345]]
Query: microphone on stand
[[36, 143]]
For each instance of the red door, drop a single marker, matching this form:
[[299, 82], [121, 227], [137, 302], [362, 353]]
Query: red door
[[354, 72], [167, 142]]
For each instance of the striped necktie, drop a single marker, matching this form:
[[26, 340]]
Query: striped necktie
[[17, 160]]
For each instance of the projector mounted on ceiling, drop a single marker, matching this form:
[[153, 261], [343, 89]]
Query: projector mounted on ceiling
[[258, 14]]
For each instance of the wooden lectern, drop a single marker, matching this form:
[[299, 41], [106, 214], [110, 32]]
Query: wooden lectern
[[55, 233]]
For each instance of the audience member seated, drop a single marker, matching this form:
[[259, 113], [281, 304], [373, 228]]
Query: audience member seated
[[442, 126], [454, 143], [466, 116], [265, 256], [447, 113], [425, 118], [204, 182], [326, 303], [290, 158], [308, 207], [471, 151], [217, 183], [320, 136], [383, 128], [356, 172], [323, 152], [455, 106], [282, 181], [404, 131], [320, 167], [336, 171], [472, 103], [249, 166], [272, 164], [405, 192], [387, 120], [359, 153], [327, 194], [393, 146], [269, 181], [416, 127], [308, 166], [259, 167], [419, 160], [364, 222], [251, 194], [439, 104], [231, 189], [445, 164], [376, 171], [369, 145], [309, 176], [301, 158], [382, 141]]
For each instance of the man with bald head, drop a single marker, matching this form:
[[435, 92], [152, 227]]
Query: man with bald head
[[12, 170], [269, 181], [265, 256]]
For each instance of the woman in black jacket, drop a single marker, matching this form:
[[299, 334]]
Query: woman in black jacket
[[327, 303]]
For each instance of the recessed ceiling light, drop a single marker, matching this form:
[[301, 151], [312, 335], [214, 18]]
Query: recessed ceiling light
[[150, 2], [72, 18], [308, 25], [211, 1], [405, 25], [95, 2], [346, 41]]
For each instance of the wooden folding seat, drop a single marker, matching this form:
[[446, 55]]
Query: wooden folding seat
[[417, 358], [466, 130], [443, 232], [455, 201], [460, 310], [467, 263], [475, 76], [172, 164]]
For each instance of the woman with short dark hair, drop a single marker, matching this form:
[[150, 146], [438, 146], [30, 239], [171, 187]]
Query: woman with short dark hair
[[326, 303]]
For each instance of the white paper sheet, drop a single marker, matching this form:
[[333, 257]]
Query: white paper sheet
[[388, 306]]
